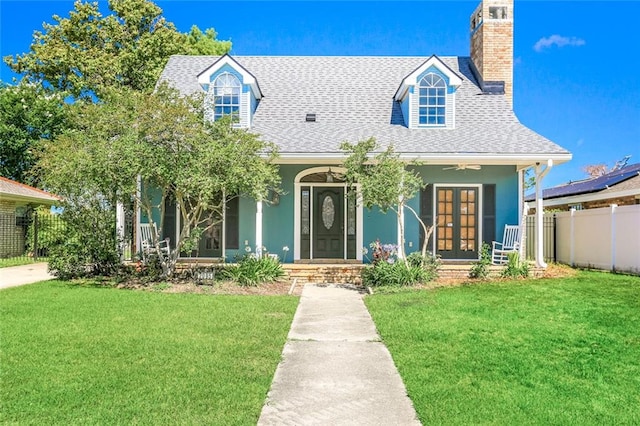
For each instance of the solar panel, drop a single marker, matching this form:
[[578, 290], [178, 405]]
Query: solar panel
[[590, 185]]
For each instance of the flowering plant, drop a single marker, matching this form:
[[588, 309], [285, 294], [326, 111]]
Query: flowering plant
[[384, 252]]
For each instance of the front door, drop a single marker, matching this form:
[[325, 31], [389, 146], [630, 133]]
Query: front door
[[457, 222], [328, 223]]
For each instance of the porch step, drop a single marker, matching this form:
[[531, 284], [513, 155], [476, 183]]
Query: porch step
[[324, 273]]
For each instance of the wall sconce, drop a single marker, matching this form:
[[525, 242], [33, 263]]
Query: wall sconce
[[329, 178]]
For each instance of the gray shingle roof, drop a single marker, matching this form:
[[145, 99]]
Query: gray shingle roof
[[352, 98]]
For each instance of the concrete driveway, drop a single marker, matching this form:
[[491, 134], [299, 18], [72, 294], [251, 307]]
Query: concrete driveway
[[25, 274]]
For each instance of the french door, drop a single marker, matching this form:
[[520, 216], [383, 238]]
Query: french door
[[457, 233]]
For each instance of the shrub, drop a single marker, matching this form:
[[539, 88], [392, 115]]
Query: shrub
[[429, 263], [88, 245], [480, 269], [515, 268], [416, 270], [251, 270]]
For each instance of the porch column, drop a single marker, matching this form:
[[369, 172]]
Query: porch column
[[540, 174], [522, 220], [120, 221], [259, 227]]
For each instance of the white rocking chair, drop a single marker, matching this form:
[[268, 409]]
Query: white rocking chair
[[510, 244], [147, 247]]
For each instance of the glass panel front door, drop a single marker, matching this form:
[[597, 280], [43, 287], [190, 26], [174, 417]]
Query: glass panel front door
[[328, 223], [457, 223]]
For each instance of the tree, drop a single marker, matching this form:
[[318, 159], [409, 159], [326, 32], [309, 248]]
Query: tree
[[29, 115], [162, 141], [87, 53], [199, 43], [595, 170], [383, 180]]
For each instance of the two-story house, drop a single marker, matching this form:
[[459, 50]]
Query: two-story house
[[452, 114]]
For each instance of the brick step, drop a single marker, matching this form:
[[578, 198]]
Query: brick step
[[324, 274]]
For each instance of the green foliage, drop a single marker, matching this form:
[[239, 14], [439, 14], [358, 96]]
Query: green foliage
[[381, 178], [50, 231], [88, 244], [252, 271], [70, 346], [428, 262], [199, 43], [87, 52], [29, 114], [515, 268], [163, 140], [390, 272], [480, 269]]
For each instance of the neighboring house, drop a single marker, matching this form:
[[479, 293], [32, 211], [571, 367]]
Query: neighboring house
[[453, 114], [15, 201], [621, 187]]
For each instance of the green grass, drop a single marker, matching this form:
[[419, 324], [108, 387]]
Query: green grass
[[91, 355], [18, 261], [563, 351]]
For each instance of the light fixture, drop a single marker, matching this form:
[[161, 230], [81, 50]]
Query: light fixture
[[329, 176]]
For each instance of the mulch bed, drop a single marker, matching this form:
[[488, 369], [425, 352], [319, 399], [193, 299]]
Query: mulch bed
[[282, 287]]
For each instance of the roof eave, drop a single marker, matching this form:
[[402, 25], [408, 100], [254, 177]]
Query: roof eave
[[519, 160], [25, 199]]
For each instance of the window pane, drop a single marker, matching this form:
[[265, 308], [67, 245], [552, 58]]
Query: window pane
[[423, 119], [226, 95]]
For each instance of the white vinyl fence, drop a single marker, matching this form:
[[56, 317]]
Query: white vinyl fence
[[607, 238]]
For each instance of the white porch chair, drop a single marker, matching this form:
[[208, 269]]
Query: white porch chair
[[510, 244], [146, 242]]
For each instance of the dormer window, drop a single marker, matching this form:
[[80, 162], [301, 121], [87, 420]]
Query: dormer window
[[226, 96], [432, 100]]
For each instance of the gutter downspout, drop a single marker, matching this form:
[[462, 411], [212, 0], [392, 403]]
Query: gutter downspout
[[540, 174]]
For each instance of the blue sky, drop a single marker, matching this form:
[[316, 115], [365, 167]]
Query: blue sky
[[575, 77]]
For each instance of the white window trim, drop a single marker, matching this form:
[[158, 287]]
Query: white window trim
[[444, 106]]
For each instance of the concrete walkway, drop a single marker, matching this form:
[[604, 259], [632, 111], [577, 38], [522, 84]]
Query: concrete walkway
[[14, 276], [335, 370]]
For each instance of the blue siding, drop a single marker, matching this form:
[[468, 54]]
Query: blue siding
[[278, 220], [379, 226], [226, 68], [404, 106], [504, 177]]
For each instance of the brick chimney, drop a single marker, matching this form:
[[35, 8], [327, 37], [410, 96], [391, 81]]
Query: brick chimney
[[492, 46]]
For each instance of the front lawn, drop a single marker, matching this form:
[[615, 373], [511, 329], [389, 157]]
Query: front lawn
[[563, 351], [73, 354]]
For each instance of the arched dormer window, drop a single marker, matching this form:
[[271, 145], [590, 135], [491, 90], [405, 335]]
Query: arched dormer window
[[432, 100], [226, 96]]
